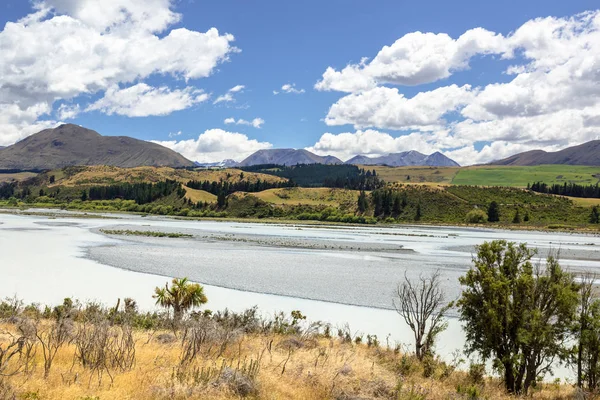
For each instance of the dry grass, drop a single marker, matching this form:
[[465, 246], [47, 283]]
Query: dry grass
[[308, 196], [199, 195], [275, 366], [17, 176], [104, 175]]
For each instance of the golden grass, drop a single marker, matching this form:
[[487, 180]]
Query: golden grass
[[313, 369], [17, 176], [308, 196], [583, 202], [199, 195], [105, 175]]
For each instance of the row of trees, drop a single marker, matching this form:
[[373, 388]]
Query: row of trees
[[324, 175], [141, 193], [566, 189], [523, 317], [226, 188]]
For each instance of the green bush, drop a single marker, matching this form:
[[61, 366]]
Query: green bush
[[476, 216]]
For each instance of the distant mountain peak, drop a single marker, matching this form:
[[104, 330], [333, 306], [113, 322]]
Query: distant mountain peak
[[287, 157], [405, 158], [584, 154], [70, 144]]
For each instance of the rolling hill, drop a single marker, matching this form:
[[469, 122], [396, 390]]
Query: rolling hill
[[583, 154], [70, 145], [287, 157], [406, 158]]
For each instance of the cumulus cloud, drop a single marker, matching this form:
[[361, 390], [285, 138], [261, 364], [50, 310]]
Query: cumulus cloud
[[66, 112], [228, 97], [256, 122], [414, 59], [289, 88], [216, 145], [142, 100], [551, 101], [388, 108], [68, 48]]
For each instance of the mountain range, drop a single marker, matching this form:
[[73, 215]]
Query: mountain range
[[406, 158], [287, 157], [70, 144], [583, 154]]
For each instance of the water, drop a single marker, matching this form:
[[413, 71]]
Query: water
[[335, 274]]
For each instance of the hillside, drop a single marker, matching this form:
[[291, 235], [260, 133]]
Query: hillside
[[70, 145], [583, 154], [287, 157], [105, 175], [406, 158]]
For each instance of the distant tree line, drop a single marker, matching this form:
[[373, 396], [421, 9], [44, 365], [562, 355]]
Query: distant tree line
[[141, 193], [224, 187], [566, 189], [321, 175], [7, 190], [387, 202]]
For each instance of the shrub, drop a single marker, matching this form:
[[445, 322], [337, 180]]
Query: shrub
[[476, 216]]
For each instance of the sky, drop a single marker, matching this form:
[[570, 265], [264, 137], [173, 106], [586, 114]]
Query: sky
[[215, 80]]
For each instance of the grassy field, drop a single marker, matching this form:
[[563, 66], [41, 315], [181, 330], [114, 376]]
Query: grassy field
[[308, 196], [441, 175], [489, 175], [235, 365], [103, 175], [17, 176], [199, 195], [521, 176]]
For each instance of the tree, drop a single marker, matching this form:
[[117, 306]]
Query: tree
[[516, 314], [418, 213], [397, 207], [363, 204], [587, 335], [476, 216], [84, 195], [595, 215], [493, 212], [423, 306], [181, 297], [517, 218]]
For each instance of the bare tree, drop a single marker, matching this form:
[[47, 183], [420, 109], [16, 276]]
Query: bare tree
[[422, 305]]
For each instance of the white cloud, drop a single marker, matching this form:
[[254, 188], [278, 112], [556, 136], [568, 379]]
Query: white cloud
[[387, 108], [289, 88], [369, 142], [256, 122], [414, 59], [65, 112], [216, 145], [552, 100], [228, 97], [237, 88], [142, 100], [175, 134], [70, 48]]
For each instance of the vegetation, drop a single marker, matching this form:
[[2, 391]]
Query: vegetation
[[526, 319], [422, 305], [145, 233], [567, 189], [319, 175], [516, 314], [181, 297], [497, 175]]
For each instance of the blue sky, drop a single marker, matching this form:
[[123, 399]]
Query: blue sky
[[283, 42]]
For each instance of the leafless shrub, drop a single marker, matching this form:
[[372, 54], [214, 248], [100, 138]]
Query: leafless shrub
[[422, 305], [206, 337], [166, 338], [52, 338], [103, 348]]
